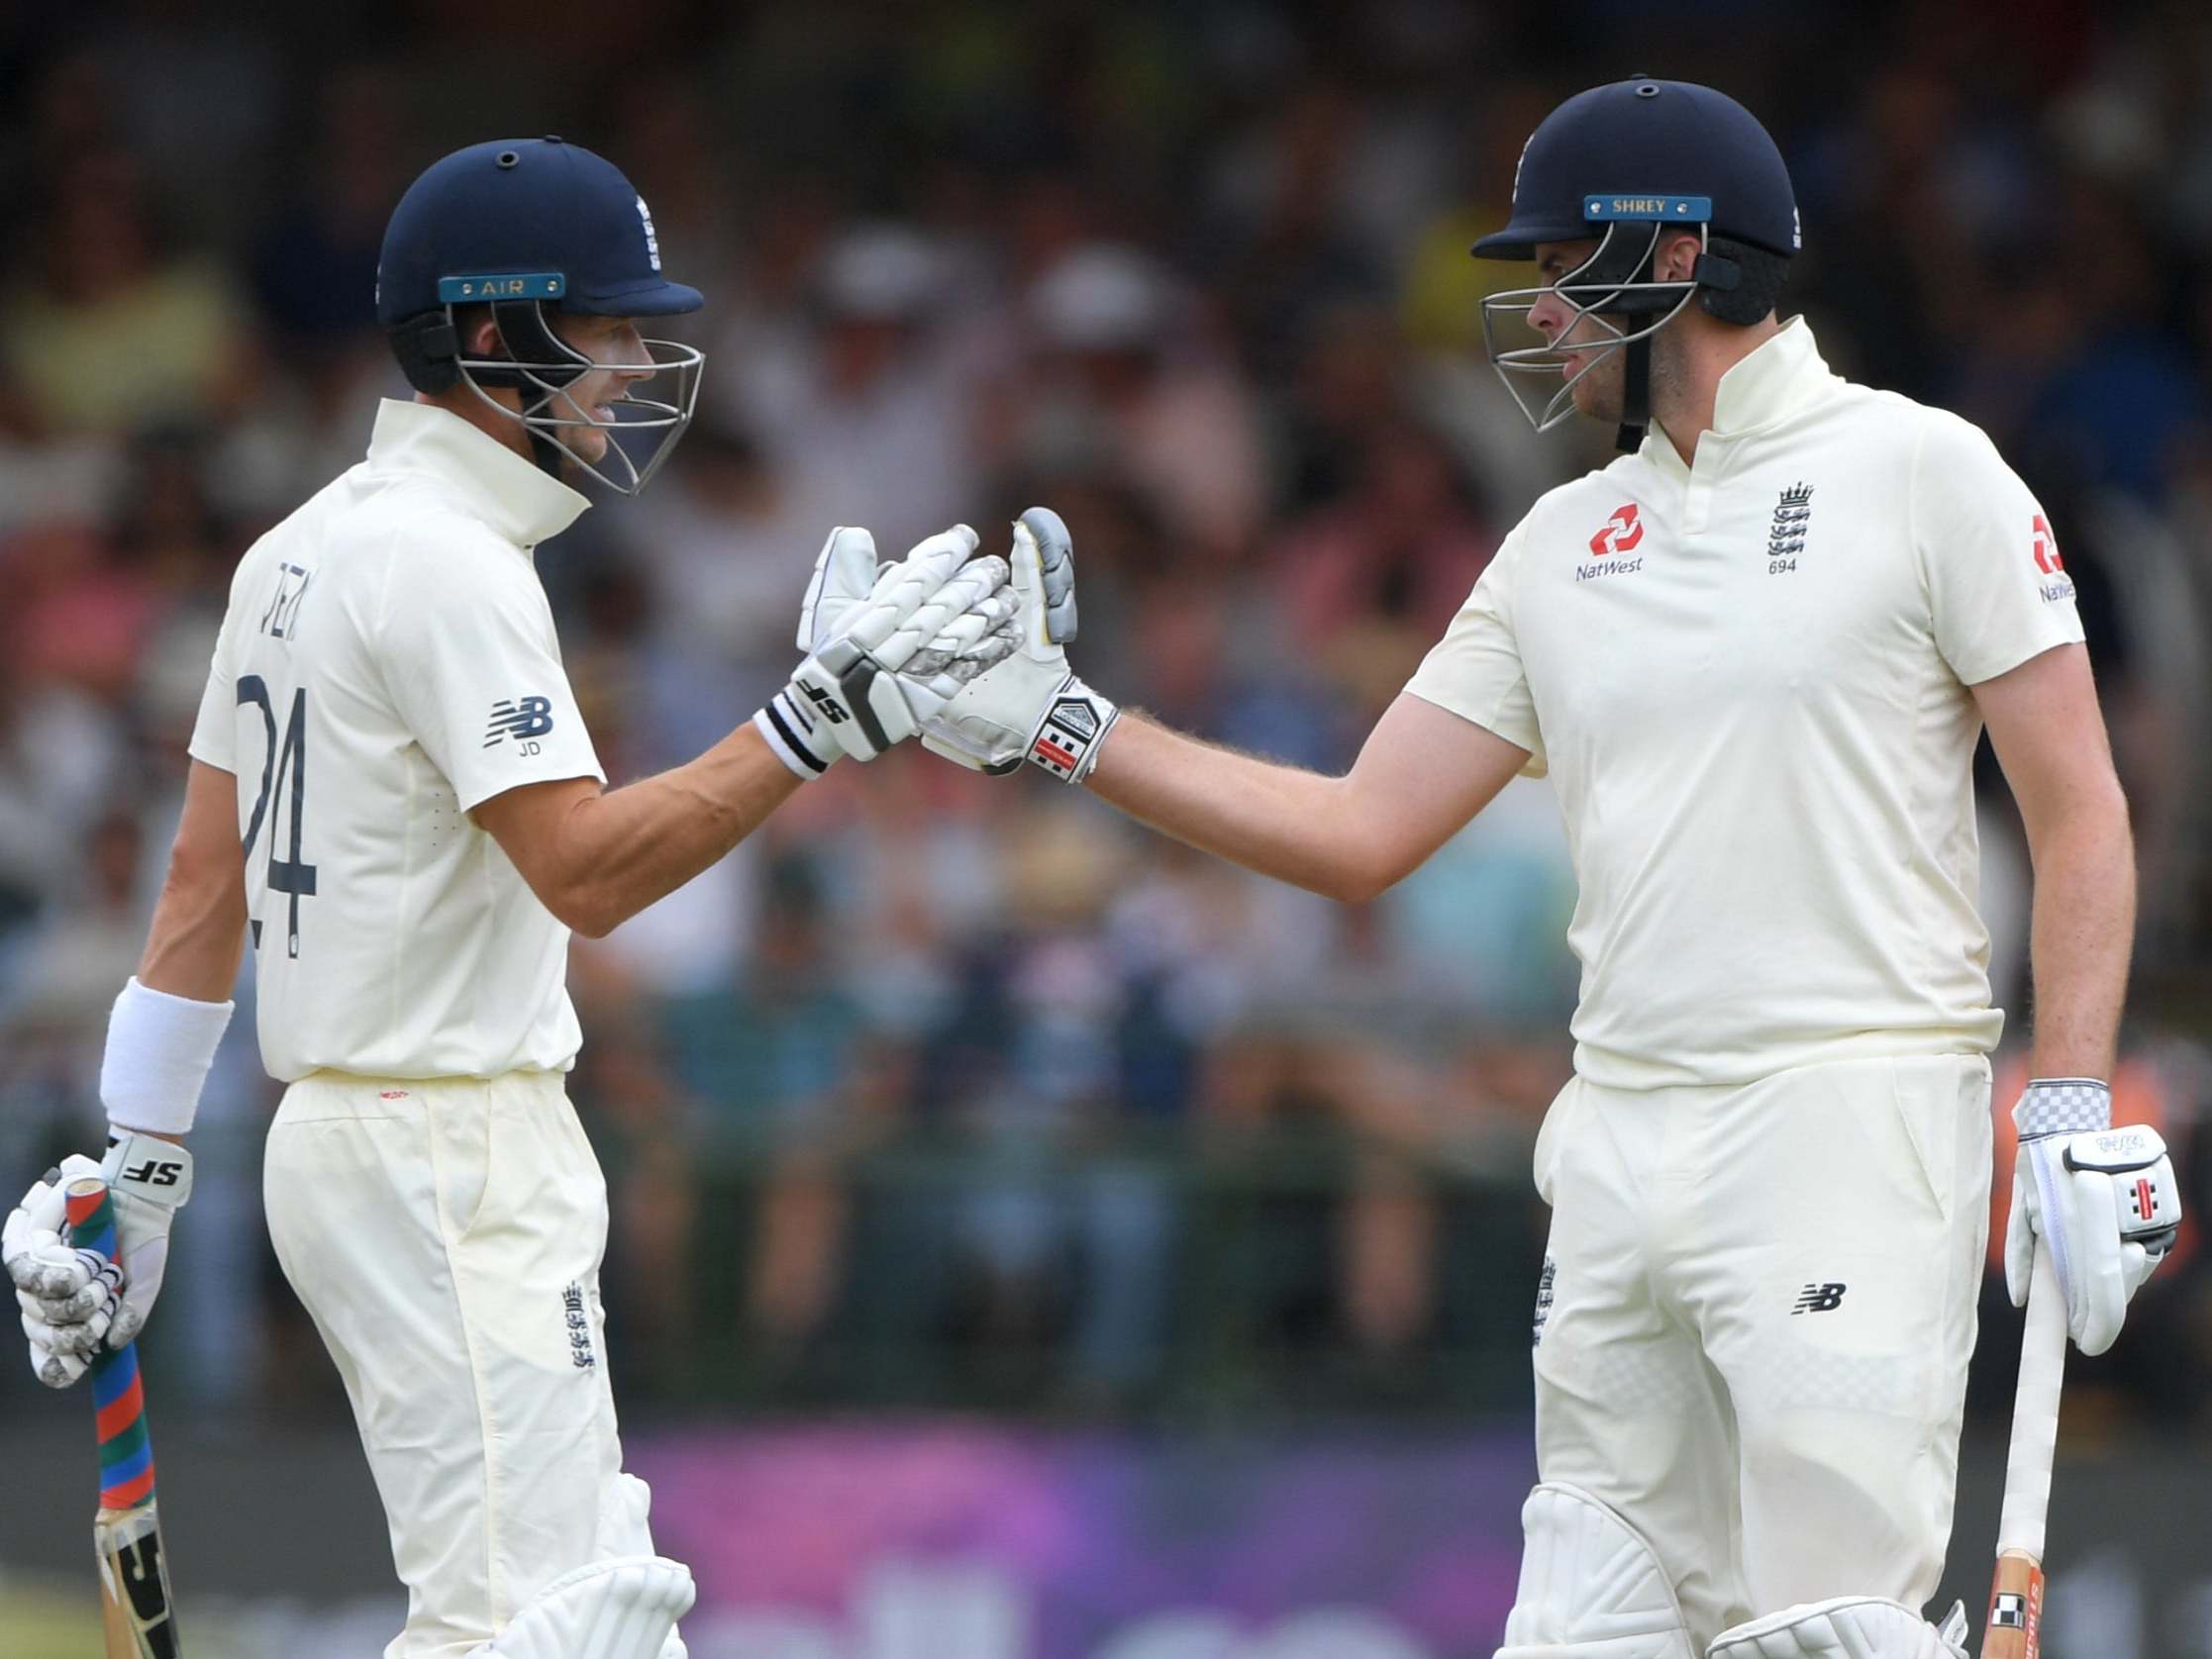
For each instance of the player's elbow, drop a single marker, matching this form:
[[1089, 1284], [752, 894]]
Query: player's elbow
[[1363, 871], [590, 924], [592, 915], [581, 903]]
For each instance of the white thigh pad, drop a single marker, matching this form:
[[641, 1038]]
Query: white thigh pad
[[1590, 1586], [625, 1607], [1847, 1627]]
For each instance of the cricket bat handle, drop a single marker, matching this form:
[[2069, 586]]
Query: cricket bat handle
[[137, 1611], [2015, 1626]]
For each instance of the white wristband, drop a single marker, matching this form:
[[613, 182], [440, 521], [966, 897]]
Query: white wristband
[[159, 1049], [1068, 740], [794, 738]]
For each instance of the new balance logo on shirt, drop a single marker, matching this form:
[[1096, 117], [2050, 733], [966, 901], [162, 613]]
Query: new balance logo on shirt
[[519, 717], [1819, 1299]]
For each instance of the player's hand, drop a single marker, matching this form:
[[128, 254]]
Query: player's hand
[[2104, 1198], [938, 615], [68, 1297], [149, 1179], [1032, 706]]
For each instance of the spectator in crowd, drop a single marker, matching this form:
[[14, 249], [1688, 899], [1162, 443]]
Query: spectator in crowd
[[865, 420], [115, 328]]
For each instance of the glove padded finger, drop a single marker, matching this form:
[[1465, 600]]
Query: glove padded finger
[[844, 573], [1053, 571], [903, 588]]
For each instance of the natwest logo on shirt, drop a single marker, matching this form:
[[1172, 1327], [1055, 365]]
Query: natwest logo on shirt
[[1619, 534], [2046, 549], [2045, 546], [1623, 531]]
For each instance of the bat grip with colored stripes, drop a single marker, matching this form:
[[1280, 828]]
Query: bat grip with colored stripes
[[2015, 1626], [119, 1400]]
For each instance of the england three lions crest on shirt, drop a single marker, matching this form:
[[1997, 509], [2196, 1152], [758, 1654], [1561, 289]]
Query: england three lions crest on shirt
[[1793, 516]]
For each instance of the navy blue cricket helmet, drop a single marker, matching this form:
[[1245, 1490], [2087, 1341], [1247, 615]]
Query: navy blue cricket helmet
[[526, 225], [1645, 137], [1624, 164]]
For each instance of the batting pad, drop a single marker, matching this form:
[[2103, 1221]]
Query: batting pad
[[1590, 1586], [625, 1607], [1847, 1627]]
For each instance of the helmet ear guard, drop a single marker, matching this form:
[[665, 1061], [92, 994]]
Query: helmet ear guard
[[1715, 271], [429, 350]]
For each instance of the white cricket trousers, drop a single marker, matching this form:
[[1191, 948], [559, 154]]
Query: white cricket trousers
[[1757, 1311], [445, 1237]]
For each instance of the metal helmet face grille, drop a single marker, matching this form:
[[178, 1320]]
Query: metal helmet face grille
[[543, 369], [1612, 282]]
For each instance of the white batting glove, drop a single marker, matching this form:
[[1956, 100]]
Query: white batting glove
[[887, 647], [68, 1297], [2104, 1198], [149, 1179], [1032, 706]]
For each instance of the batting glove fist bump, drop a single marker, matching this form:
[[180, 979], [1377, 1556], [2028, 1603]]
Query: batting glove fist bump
[[2104, 1200], [886, 647], [1030, 706]]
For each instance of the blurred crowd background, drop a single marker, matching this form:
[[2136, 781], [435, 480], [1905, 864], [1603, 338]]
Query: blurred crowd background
[[948, 1091]]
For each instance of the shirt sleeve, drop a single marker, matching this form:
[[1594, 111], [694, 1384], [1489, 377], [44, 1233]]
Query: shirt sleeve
[[467, 648], [1474, 671], [215, 730], [1998, 592]]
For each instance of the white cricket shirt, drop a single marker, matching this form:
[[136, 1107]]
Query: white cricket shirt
[[386, 663], [1747, 679]]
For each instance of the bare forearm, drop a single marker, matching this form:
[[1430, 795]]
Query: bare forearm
[[1277, 820], [197, 936], [2082, 934], [632, 846], [198, 932]]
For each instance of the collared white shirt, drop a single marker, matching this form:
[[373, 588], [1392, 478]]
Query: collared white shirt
[[1747, 679], [387, 663]]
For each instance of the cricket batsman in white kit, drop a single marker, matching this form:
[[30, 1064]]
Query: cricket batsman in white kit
[[1753, 655], [392, 790]]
